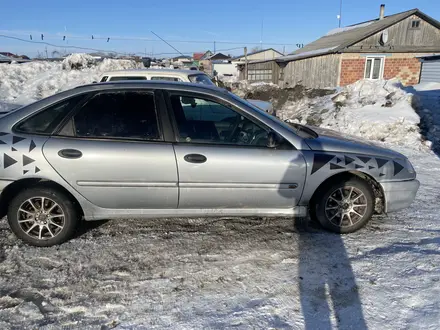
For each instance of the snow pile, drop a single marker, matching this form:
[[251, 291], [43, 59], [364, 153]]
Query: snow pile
[[347, 28], [376, 110], [77, 62], [28, 82]]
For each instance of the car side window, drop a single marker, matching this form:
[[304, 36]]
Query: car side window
[[121, 115], [45, 121], [166, 78], [127, 78], [201, 120]]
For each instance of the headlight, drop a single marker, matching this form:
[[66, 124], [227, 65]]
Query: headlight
[[409, 166]]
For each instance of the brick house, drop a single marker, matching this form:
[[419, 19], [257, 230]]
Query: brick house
[[383, 48]]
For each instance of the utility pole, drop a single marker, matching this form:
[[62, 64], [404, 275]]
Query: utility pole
[[284, 50], [245, 64], [214, 47], [340, 13], [47, 56]]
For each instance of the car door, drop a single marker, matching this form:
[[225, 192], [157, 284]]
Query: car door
[[112, 151], [224, 160]]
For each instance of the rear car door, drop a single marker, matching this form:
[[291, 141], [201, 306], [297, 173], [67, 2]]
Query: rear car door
[[224, 160], [112, 151]]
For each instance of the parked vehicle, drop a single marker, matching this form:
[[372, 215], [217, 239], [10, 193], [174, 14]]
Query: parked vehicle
[[192, 76], [161, 149]]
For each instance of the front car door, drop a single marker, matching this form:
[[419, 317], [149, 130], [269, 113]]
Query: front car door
[[112, 151], [224, 160]]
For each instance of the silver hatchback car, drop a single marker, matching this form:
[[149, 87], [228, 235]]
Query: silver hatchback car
[[160, 149]]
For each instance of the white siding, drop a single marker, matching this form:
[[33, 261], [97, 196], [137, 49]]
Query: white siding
[[225, 68]]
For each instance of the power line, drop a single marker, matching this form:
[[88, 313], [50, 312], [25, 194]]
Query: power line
[[168, 44], [118, 38], [110, 51], [60, 46]]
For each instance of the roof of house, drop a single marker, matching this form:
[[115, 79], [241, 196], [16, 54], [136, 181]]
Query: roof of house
[[198, 56], [257, 52], [4, 58], [218, 55], [338, 39]]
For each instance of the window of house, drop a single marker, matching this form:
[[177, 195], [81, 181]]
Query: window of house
[[260, 75], [374, 67], [45, 121], [122, 115], [127, 78], [204, 121], [415, 24]]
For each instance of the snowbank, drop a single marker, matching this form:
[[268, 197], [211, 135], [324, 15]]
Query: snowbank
[[28, 82], [377, 110]]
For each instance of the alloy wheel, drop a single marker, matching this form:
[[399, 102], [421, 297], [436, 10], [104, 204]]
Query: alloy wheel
[[346, 206], [41, 218]]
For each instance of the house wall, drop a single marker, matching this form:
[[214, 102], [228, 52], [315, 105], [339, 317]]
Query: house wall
[[267, 71], [403, 66], [315, 72], [401, 36]]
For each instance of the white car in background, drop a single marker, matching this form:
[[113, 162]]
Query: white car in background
[[190, 76]]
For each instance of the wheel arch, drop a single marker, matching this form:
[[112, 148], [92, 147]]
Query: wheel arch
[[379, 203], [16, 187]]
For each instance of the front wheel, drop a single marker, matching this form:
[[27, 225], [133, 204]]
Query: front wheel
[[346, 206], [42, 216]]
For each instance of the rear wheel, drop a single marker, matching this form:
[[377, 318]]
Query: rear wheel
[[42, 216], [344, 207]]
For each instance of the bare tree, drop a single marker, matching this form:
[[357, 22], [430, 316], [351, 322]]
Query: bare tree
[[255, 49]]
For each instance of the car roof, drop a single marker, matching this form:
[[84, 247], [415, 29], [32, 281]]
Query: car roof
[[152, 71], [158, 84]]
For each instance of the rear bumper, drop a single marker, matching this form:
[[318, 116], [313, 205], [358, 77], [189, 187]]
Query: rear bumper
[[400, 194]]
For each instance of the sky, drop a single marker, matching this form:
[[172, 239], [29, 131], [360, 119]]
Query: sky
[[189, 26]]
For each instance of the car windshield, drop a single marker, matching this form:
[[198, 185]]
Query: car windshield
[[299, 130], [201, 79]]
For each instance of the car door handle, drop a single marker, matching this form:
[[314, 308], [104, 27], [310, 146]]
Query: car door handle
[[195, 158], [70, 153]]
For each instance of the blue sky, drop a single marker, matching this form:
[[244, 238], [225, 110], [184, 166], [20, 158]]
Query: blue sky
[[285, 22]]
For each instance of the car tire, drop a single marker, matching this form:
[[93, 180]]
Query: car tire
[[52, 224], [345, 206]]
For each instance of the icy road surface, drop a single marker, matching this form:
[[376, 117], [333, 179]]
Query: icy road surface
[[233, 273]]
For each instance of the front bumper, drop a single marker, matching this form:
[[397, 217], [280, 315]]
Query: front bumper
[[400, 194]]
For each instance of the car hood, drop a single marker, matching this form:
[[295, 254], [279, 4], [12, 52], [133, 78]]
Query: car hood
[[329, 140]]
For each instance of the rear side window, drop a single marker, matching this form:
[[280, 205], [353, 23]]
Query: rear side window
[[120, 115], [127, 78], [45, 121], [104, 79], [166, 78]]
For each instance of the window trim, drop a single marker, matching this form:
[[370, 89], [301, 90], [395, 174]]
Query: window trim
[[91, 95], [381, 70], [169, 93], [417, 22]]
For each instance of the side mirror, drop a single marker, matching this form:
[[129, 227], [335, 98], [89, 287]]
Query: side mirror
[[273, 139]]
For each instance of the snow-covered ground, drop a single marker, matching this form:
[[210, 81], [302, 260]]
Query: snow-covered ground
[[241, 273], [233, 273]]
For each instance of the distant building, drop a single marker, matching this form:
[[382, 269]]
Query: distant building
[[383, 48], [263, 55]]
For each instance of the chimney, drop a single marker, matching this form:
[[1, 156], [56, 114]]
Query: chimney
[[382, 11]]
